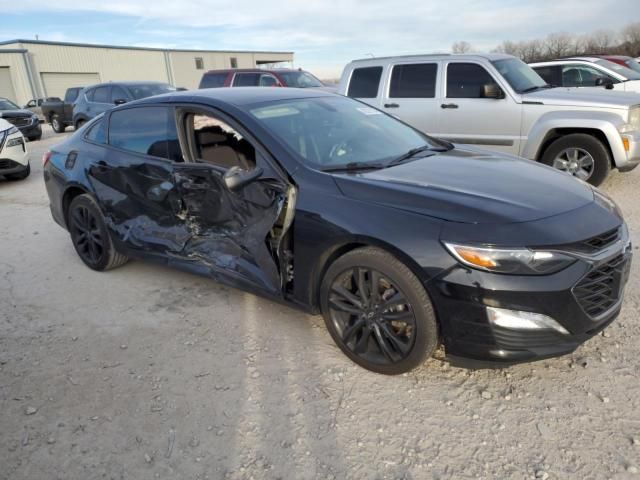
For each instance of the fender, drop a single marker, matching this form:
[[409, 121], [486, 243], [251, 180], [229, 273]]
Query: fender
[[606, 123]]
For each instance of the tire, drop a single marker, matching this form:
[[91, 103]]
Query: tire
[[57, 124], [560, 151], [407, 327], [21, 175], [80, 123], [36, 138], [90, 236]]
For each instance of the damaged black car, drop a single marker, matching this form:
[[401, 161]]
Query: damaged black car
[[403, 242]]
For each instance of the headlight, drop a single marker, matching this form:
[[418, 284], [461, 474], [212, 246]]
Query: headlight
[[12, 130], [634, 117], [517, 261]]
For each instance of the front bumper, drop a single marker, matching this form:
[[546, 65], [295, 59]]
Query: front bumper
[[632, 154], [14, 157], [30, 131], [461, 296]]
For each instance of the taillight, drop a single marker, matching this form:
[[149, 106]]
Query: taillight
[[45, 157]]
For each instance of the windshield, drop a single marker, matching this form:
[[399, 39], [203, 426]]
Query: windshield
[[633, 65], [520, 76], [620, 69], [8, 105], [330, 132], [139, 91], [300, 79]]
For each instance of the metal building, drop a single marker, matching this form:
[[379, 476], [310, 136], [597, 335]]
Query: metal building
[[36, 68]]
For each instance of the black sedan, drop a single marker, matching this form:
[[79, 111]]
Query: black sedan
[[400, 240], [27, 122]]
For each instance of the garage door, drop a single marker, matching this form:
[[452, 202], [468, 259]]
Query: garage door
[[6, 86], [55, 84]]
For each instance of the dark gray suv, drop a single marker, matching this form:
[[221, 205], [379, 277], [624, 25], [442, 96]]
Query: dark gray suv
[[95, 99]]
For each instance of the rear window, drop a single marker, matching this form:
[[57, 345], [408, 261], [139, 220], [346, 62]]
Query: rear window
[[364, 82], [71, 95], [147, 130], [413, 81], [97, 132], [213, 80], [246, 80]]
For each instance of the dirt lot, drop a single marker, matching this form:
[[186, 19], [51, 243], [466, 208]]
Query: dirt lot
[[145, 372]]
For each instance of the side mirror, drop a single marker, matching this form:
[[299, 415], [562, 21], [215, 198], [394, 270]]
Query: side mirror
[[119, 101], [492, 90], [236, 178], [604, 82]]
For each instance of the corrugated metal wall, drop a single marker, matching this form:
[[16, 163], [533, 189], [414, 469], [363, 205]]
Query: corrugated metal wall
[[19, 77]]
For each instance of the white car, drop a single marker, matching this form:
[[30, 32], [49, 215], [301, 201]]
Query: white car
[[588, 72], [14, 157]]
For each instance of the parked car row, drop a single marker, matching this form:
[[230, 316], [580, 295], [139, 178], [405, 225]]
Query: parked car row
[[25, 120]]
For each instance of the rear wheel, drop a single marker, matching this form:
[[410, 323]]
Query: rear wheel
[[580, 155], [20, 175], [90, 236], [378, 312], [57, 124], [80, 123]]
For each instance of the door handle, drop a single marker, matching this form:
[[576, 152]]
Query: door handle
[[391, 105], [449, 105]]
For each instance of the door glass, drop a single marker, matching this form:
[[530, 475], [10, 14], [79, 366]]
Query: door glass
[[89, 94], [465, 80], [101, 95], [246, 80], [32, 103], [413, 81], [268, 81], [71, 95], [118, 93], [213, 80], [217, 143], [364, 82], [147, 130], [550, 74], [580, 76], [97, 132]]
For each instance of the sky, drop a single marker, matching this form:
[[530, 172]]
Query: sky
[[324, 35]]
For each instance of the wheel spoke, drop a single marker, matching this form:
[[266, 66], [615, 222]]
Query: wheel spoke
[[360, 277], [342, 306], [384, 347], [396, 316], [347, 295], [560, 164], [362, 343], [394, 301], [78, 220], [582, 174], [375, 287], [350, 331], [398, 344]]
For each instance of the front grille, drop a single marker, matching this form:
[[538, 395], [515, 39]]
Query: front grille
[[597, 243], [601, 288], [7, 164], [19, 121]]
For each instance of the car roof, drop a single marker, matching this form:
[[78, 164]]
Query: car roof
[[256, 70], [241, 95], [439, 56], [126, 83]]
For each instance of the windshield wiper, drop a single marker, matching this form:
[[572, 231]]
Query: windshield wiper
[[354, 167], [415, 151], [537, 87]]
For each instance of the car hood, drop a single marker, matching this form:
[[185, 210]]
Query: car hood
[[15, 113], [583, 97], [470, 185]]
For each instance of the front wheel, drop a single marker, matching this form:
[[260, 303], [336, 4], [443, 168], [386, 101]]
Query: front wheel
[[90, 236], [581, 155], [79, 124], [21, 175], [378, 312]]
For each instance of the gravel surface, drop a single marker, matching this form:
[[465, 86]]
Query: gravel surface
[[146, 372]]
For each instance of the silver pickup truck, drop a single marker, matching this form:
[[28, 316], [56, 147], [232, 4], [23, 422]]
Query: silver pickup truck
[[498, 102]]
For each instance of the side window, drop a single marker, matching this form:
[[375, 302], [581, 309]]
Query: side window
[[32, 103], [118, 93], [97, 132], [213, 80], [577, 75], [246, 80], [40, 102], [89, 94], [465, 80], [71, 95], [101, 94], [217, 143], [364, 82], [550, 74], [268, 81], [413, 81], [148, 130]]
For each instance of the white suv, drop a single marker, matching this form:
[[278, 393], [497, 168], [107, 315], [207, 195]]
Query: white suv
[[14, 158], [497, 101], [588, 72]]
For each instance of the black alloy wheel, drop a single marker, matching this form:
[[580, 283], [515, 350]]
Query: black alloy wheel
[[90, 236], [378, 312]]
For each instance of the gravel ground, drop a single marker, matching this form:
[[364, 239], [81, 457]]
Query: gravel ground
[[146, 372]]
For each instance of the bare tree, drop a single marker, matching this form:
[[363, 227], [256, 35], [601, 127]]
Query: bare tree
[[558, 44], [461, 47], [599, 42], [631, 39]]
